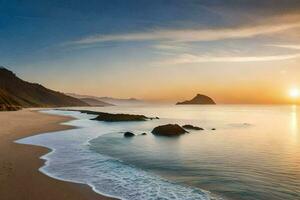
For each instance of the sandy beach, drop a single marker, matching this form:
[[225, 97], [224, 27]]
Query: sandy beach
[[19, 164]]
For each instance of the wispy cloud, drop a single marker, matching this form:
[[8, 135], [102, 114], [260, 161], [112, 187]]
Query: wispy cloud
[[190, 35], [297, 47], [190, 58], [171, 46]]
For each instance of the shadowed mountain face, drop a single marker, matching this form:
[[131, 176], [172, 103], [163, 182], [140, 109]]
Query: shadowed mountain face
[[16, 93], [199, 99]]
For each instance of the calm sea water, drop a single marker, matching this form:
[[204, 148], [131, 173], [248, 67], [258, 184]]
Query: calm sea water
[[254, 153]]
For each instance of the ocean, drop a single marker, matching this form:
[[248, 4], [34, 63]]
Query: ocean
[[253, 153]]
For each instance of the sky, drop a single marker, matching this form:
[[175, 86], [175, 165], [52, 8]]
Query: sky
[[234, 51]]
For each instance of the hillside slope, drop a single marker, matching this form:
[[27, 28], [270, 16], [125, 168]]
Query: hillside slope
[[14, 92]]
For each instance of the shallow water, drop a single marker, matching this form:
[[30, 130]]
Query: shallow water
[[254, 153]]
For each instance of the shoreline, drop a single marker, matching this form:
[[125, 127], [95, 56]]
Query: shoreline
[[20, 177], [62, 156]]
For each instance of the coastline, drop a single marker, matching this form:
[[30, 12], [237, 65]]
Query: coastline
[[103, 173], [19, 164]]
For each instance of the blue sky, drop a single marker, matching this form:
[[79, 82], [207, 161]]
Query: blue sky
[[153, 49]]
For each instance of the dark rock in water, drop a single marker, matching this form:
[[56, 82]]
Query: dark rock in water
[[144, 134], [128, 134], [213, 129], [156, 117], [169, 130], [191, 127], [109, 117], [199, 99], [120, 117]]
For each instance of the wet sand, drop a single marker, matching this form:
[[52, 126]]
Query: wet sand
[[19, 164]]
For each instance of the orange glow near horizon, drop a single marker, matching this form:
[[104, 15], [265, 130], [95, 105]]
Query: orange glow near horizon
[[246, 59]]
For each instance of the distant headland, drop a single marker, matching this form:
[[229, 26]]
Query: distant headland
[[198, 99]]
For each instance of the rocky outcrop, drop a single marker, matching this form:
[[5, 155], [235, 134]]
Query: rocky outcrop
[[128, 134], [191, 127], [7, 107], [108, 117], [168, 130], [198, 99]]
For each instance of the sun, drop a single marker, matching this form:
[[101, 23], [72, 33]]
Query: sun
[[294, 93]]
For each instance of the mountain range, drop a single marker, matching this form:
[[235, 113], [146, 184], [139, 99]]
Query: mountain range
[[109, 100], [16, 93]]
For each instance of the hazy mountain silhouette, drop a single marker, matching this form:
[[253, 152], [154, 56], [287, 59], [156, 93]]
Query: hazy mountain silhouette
[[95, 102], [15, 93], [118, 101], [110, 100]]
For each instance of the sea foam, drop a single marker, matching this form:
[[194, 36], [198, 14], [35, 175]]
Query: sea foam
[[72, 160]]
